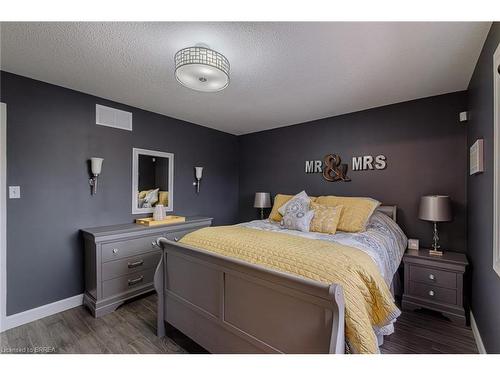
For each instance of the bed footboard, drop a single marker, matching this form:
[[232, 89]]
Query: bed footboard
[[230, 306]]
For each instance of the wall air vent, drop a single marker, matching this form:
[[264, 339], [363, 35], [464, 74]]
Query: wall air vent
[[115, 118]]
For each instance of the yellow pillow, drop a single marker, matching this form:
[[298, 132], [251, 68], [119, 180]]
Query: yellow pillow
[[356, 211], [163, 198], [280, 200], [143, 194], [326, 218]]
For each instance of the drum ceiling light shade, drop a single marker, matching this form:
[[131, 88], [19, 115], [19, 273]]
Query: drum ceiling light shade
[[202, 69]]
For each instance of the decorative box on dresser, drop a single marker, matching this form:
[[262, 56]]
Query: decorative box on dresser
[[120, 260], [435, 283]]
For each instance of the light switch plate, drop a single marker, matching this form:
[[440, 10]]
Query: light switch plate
[[14, 192]]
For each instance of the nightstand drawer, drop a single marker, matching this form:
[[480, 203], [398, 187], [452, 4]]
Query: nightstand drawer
[[433, 293], [430, 276]]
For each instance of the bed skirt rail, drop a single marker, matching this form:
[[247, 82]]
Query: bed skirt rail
[[231, 306]]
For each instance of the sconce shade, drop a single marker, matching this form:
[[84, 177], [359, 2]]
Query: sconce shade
[[435, 208], [199, 172], [96, 165], [262, 200]]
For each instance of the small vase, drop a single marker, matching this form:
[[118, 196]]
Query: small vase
[[159, 212]]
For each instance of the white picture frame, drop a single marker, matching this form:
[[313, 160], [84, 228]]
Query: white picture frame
[[135, 179], [476, 157], [413, 244]]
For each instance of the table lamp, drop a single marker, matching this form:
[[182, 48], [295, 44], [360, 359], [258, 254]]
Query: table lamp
[[435, 208], [262, 200]]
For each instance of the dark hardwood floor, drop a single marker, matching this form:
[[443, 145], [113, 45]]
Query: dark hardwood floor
[[131, 329], [427, 332]]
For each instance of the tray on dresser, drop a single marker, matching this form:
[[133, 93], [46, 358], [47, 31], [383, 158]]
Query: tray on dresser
[[170, 219]]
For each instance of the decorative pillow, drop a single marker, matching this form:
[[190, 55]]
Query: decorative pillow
[[163, 198], [151, 198], [140, 202], [297, 219], [326, 218], [280, 200], [301, 199], [143, 193], [355, 213]]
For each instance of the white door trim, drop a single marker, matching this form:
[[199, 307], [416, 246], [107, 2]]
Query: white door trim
[[496, 161], [3, 215]]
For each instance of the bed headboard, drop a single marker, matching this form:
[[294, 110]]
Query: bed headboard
[[390, 211]]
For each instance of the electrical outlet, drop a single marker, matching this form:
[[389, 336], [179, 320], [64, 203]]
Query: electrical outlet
[[14, 192]]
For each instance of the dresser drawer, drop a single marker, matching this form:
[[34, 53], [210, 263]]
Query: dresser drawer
[[129, 282], [128, 248], [430, 276], [433, 293], [127, 266], [176, 236]]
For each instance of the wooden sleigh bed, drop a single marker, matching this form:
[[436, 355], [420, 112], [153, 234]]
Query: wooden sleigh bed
[[230, 306]]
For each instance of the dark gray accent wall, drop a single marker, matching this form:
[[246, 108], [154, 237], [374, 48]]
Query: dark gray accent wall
[[423, 140], [51, 133], [485, 282]]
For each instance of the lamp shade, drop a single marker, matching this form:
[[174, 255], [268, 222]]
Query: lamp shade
[[96, 165], [198, 172], [262, 200], [435, 208]]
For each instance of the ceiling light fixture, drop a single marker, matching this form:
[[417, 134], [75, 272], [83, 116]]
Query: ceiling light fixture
[[202, 69]]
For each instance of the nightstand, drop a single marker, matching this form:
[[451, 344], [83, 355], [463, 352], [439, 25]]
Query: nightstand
[[435, 283]]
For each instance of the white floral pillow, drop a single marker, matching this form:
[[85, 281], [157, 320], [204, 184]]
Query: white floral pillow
[[297, 220], [299, 201], [151, 198]]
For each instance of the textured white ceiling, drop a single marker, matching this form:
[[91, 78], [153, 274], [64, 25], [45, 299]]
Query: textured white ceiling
[[281, 73]]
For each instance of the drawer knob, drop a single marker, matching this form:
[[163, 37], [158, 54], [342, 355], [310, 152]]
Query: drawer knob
[[432, 277], [431, 293], [115, 251]]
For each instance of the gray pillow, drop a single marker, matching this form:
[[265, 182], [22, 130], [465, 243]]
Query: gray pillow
[[297, 218]]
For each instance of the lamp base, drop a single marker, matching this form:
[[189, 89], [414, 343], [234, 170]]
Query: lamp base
[[437, 253], [434, 251]]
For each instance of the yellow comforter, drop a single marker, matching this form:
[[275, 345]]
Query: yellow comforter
[[368, 301]]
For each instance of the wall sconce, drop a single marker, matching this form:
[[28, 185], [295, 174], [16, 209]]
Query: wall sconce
[[96, 166], [199, 173]]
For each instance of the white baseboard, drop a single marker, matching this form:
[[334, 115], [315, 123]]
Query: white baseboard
[[40, 312], [477, 335]]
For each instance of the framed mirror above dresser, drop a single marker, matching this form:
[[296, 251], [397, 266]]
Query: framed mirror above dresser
[[152, 180]]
